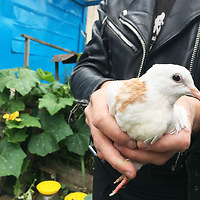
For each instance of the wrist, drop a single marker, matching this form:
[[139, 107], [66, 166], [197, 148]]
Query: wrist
[[105, 84]]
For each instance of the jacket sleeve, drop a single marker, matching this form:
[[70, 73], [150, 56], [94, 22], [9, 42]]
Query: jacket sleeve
[[92, 68]]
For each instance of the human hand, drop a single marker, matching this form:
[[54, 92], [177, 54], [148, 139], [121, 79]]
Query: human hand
[[161, 151], [105, 131]]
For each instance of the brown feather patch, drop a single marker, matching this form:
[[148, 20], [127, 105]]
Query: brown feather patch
[[135, 90]]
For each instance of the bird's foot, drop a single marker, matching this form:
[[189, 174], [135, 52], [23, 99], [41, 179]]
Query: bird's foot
[[174, 131], [124, 180], [151, 140], [120, 179]]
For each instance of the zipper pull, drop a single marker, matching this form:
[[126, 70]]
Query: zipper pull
[[103, 26], [176, 162]]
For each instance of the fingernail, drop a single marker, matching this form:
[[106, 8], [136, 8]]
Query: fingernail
[[131, 144], [142, 145], [128, 175]]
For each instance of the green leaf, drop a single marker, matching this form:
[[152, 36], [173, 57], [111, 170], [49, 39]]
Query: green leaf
[[69, 101], [6, 75], [40, 90], [3, 98], [28, 195], [55, 129], [15, 105], [54, 104], [22, 79], [80, 121], [11, 158], [25, 166], [27, 121], [46, 76], [26, 80], [78, 142], [56, 85], [17, 188], [16, 135], [11, 105]]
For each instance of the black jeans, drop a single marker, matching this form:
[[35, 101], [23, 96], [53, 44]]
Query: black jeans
[[146, 185]]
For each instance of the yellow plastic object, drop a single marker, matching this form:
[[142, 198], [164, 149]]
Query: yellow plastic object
[[76, 196], [48, 187]]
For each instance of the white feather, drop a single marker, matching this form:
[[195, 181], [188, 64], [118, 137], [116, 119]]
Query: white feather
[[148, 120], [152, 111]]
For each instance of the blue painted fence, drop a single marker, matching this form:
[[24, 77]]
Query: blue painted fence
[[59, 22]]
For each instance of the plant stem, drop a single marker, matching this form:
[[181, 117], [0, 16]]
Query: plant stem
[[83, 169]]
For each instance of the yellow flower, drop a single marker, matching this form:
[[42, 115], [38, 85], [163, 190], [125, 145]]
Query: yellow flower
[[12, 116]]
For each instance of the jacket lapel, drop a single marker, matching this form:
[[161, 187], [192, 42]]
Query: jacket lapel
[[182, 13], [140, 14]]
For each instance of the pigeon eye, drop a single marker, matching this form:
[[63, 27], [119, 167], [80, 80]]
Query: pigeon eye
[[177, 78]]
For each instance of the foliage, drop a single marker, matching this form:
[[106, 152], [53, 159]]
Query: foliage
[[88, 197], [42, 122], [28, 195]]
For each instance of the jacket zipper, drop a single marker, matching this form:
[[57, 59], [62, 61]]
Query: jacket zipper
[[103, 26], [141, 41], [121, 35], [194, 53]]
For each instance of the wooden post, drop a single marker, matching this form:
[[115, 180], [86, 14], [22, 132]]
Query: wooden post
[[26, 52], [56, 71]]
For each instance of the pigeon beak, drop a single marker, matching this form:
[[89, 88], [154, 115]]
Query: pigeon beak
[[195, 93]]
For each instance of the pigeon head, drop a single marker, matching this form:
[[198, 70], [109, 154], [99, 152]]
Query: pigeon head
[[172, 81]]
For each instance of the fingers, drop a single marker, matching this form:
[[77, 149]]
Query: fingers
[[108, 152], [103, 120], [169, 142], [192, 106], [144, 156], [159, 152], [104, 144]]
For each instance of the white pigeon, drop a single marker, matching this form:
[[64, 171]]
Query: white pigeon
[[144, 107]]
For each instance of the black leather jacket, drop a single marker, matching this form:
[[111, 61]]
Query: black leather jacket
[[120, 47]]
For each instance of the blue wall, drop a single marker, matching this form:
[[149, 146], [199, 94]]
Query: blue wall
[[58, 22], [88, 2]]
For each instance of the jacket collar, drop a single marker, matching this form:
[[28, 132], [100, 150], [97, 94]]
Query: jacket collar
[[182, 13], [141, 16]]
